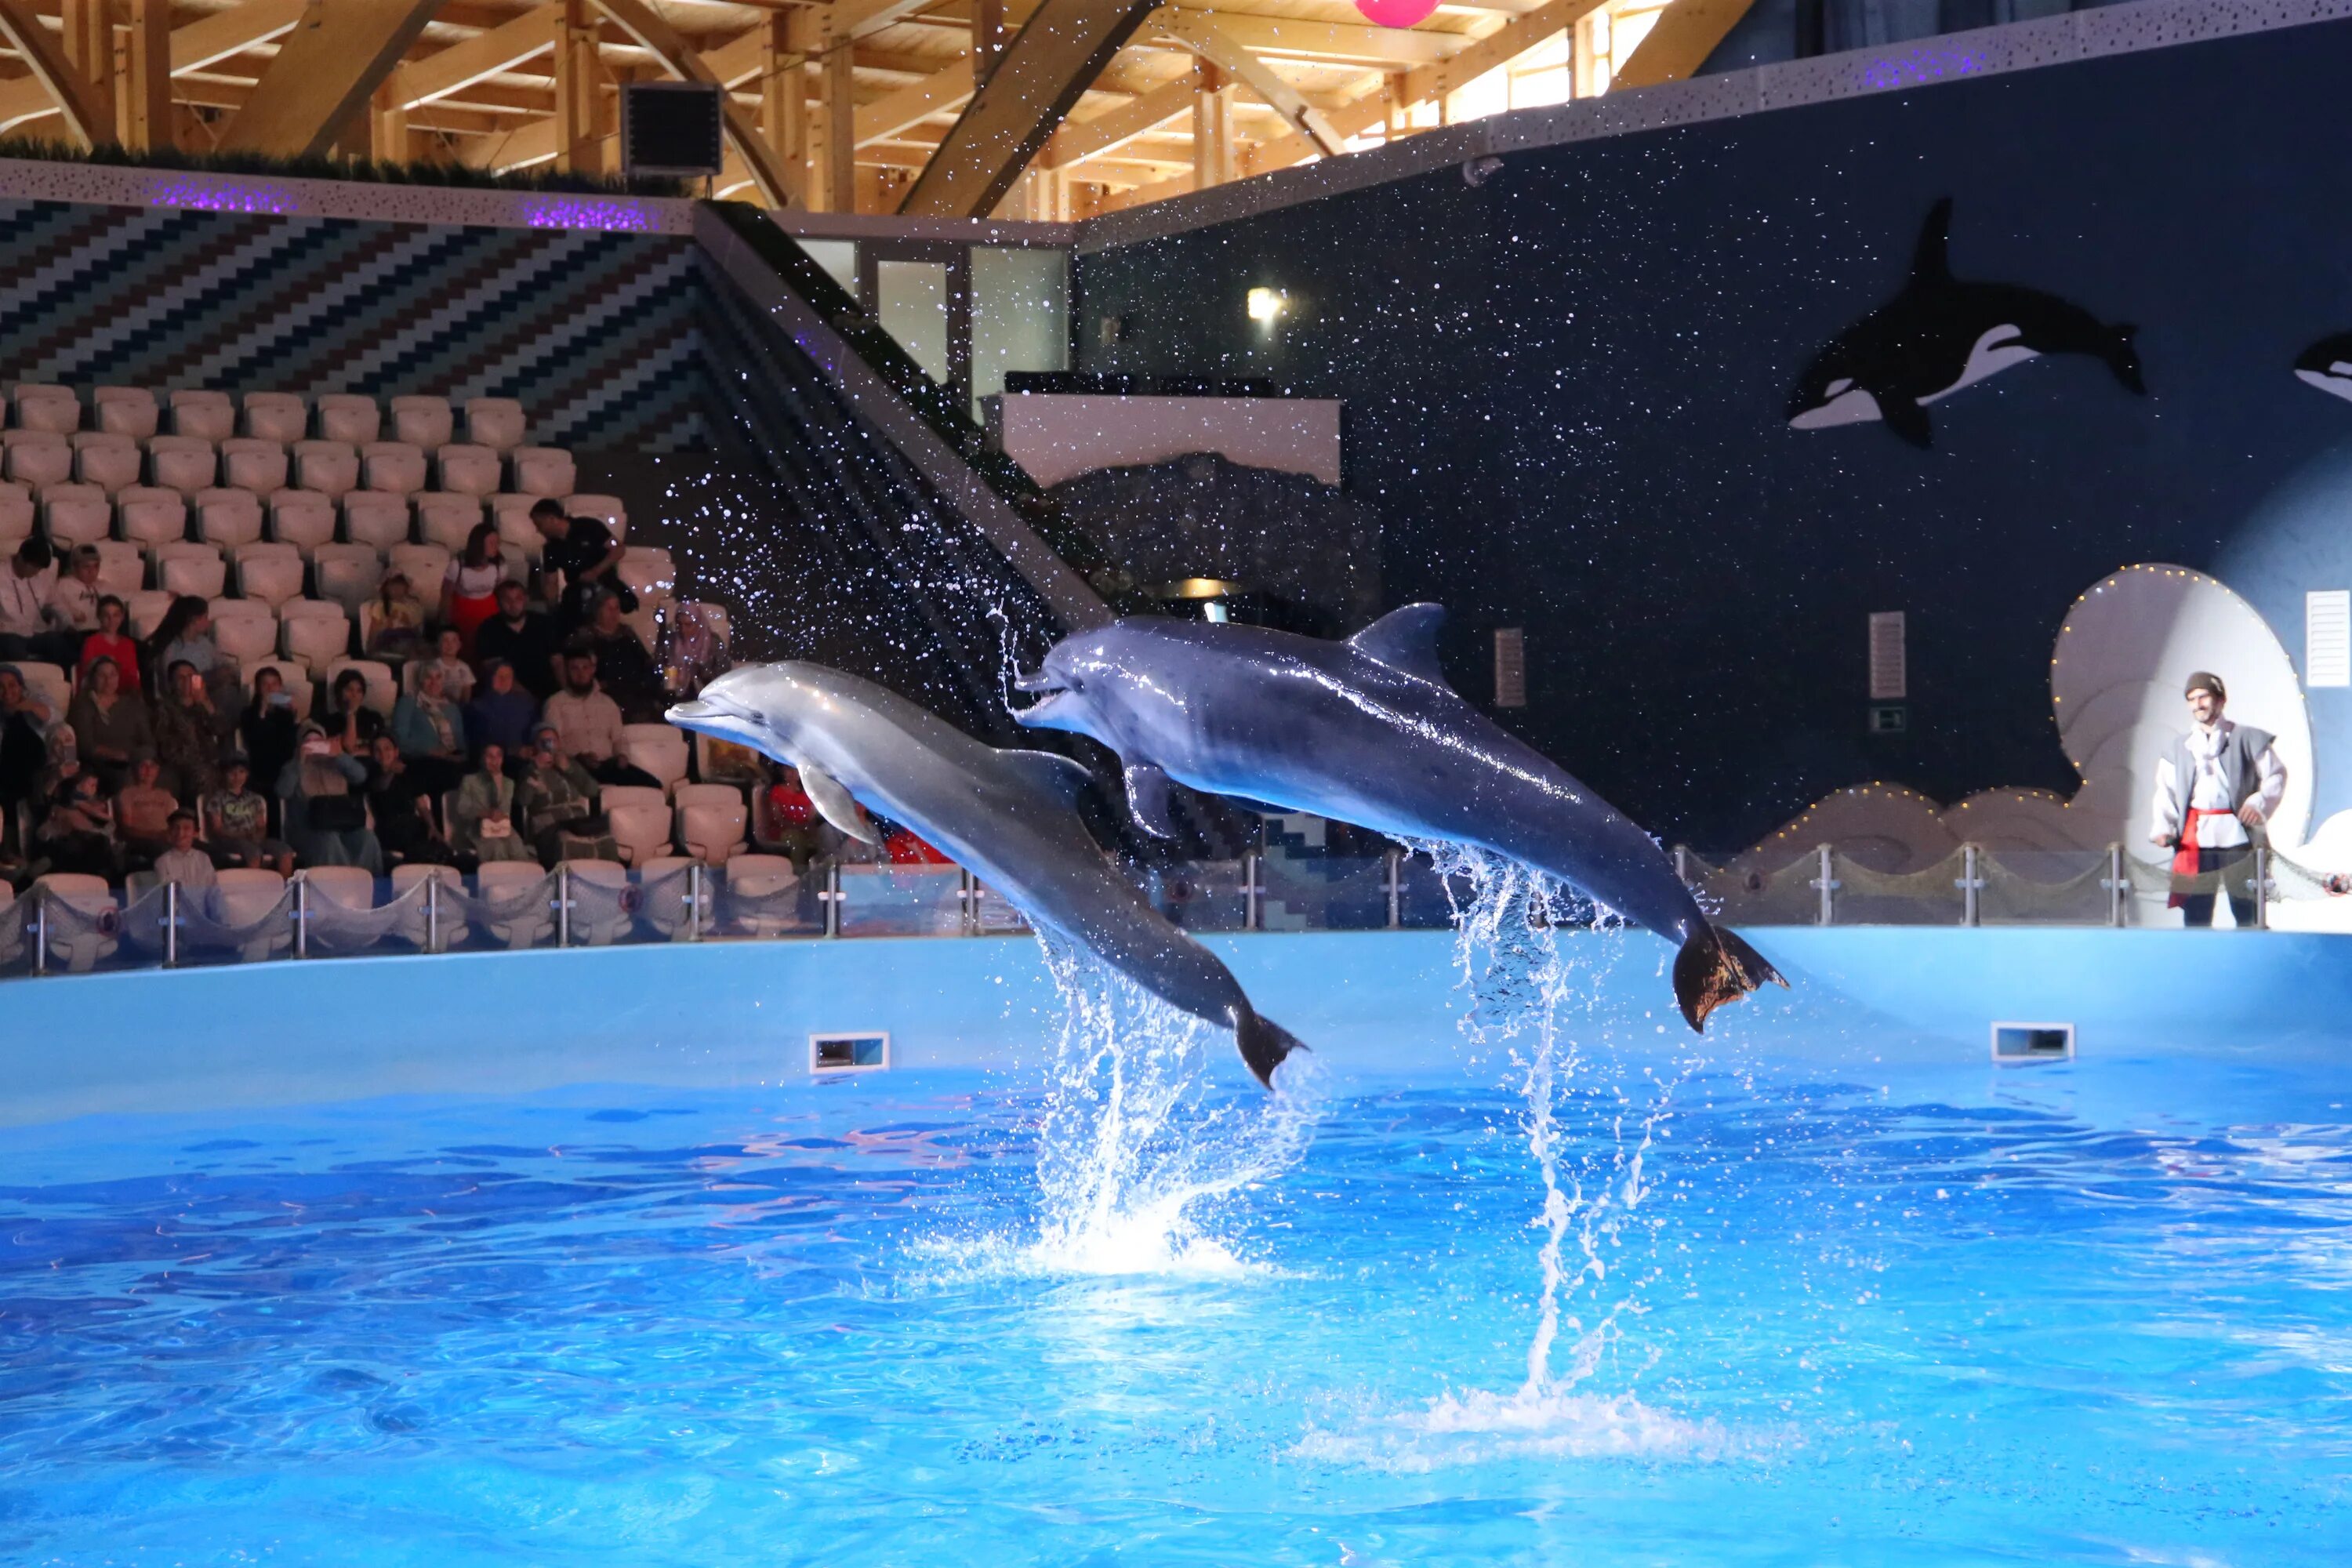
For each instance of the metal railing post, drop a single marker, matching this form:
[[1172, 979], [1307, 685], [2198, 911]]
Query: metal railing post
[[1971, 883], [1395, 859], [433, 909], [171, 925], [694, 903], [968, 894], [2261, 888], [831, 897], [2117, 885], [1828, 885], [1682, 864], [40, 931], [1250, 914], [301, 914], [564, 903]]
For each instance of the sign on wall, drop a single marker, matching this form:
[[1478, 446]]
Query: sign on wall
[[2327, 637], [1890, 678], [1510, 667]]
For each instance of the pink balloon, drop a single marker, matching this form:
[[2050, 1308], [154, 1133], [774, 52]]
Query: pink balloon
[[1396, 13]]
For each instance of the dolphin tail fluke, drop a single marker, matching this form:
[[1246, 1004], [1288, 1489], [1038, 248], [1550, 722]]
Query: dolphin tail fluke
[[2124, 359], [1716, 966], [1265, 1045]]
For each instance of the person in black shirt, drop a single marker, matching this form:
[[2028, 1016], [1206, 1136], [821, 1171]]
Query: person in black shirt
[[525, 639], [624, 667], [582, 548]]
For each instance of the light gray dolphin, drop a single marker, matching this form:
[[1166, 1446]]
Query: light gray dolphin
[[1009, 817], [1367, 731]]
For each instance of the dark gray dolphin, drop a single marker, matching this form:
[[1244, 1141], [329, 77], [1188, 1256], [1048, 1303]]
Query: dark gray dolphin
[[1007, 817], [1941, 335], [1367, 731]]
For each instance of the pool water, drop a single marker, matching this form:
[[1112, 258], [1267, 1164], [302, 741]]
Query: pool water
[[1105, 1307]]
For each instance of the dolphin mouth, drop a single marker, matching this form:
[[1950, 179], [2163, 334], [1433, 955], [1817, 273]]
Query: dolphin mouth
[[710, 718], [1036, 681], [1050, 693]]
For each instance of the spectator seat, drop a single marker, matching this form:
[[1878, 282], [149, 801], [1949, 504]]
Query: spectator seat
[[316, 631], [38, 457], [332, 889], [75, 515], [381, 690], [243, 896], [248, 463], [649, 570], [663, 881], [106, 459], [89, 897], [542, 470], [597, 917], [122, 569], [205, 416], [182, 463], [468, 470], [377, 519], [423, 422], [522, 919], [347, 574], [329, 468], [639, 818], [408, 891], [246, 629], [147, 608], [425, 565], [659, 748], [269, 571], [607, 509], [277, 417], [17, 513], [48, 682], [494, 422], [146, 514], [228, 517], [53, 408], [711, 821], [518, 535], [447, 519], [349, 419], [303, 519], [763, 876], [396, 467], [126, 411]]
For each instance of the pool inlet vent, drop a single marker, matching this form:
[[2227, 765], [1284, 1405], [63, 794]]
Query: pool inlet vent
[[2015, 1044], [865, 1052]]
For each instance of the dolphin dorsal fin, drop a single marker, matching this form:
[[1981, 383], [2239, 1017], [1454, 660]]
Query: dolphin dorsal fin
[[1405, 640], [1057, 777], [1931, 258]]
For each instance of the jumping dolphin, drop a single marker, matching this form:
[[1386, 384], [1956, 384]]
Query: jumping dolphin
[[1367, 731], [1008, 817], [1941, 335], [2328, 365]]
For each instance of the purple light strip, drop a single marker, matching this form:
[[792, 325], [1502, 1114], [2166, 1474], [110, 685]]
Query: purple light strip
[[1918, 66], [577, 212], [221, 194]]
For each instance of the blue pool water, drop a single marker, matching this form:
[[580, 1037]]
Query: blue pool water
[[1096, 1307]]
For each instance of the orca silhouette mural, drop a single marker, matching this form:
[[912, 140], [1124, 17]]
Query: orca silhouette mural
[[1942, 333], [2328, 365]]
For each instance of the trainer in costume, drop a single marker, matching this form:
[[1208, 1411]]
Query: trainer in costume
[[2203, 790]]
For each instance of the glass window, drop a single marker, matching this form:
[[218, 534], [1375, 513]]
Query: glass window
[[838, 257], [1020, 315], [913, 300]]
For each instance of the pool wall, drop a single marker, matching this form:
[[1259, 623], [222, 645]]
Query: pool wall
[[1375, 1006]]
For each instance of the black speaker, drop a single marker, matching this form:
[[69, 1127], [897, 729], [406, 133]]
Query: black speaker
[[671, 127]]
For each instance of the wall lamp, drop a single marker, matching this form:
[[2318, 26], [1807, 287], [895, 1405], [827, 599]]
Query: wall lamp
[[1266, 304]]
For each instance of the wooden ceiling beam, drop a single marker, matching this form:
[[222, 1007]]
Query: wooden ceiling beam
[[325, 68], [1679, 43], [652, 31], [1079, 140], [936, 94], [1213, 44], [480, 57], [61, 83]]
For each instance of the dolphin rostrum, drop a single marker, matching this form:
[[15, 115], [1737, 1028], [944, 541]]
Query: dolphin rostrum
[[1941, 335], [1008, 817], [1367, 731], [2328, 365]]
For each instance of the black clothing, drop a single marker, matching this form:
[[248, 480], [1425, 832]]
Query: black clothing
[[398, 827], [585, 544], [528, 648], [629, 676]]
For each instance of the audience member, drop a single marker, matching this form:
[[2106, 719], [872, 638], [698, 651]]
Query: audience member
[[786, 819], [582, 548], [431, 732], [72, 607], [403, 804], [110, 722], [457, 675], [266, 728], [354, 724], [588, 724], [557, 799], [65, 761], [23, 604], [470, 589], [111, 640], [25, 723], [143, 812], [236, 822], [186, 633], [525, 639], [624, 668], [482, 818], [393, 628], [181, 860], [78, 833], [501, 713], [190, 733], [325, 822]]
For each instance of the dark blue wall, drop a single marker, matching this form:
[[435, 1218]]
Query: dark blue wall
[[1566, 389]]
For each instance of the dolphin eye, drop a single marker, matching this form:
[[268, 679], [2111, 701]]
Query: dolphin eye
[[1840, 385]]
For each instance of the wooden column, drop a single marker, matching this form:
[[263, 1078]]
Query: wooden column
[[577, 89], [388, 126], [833, 141], [1213, 126], [89, 44], [987, 40], [144, 85], [783, 99]]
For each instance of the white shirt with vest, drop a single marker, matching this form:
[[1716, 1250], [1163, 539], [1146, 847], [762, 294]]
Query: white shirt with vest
[[2209, 789]]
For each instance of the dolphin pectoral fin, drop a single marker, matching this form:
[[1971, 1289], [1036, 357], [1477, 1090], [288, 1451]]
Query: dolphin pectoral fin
[[1265, 1045], [1405, 640], [837, 806], [1057, 777], [1147, 799], [1716, 966], [1906, 420]]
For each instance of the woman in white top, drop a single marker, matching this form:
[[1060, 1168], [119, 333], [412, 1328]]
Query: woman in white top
[[470, 590]]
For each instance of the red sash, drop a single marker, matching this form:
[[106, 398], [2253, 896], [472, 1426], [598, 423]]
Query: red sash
[[2184, 856]]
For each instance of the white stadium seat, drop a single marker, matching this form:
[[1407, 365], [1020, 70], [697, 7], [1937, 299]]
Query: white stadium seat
[[38, 457], [468, 470], [270, 571], [517, 533], [415, 922], [207, 415], [425, 566], [447, 520], [423, 422], [346, 574], [303, 519], [247, 463], [711, 821], [126, 411], [183, 568], [245, 895], [16, 512], [638, 819], [543, 471], [346, 887], [51, 684], [277, 417], [506, 881], [147, 610], [78, 949], [122, 568], [298, 685], [375, 520], [494, 422], [146, 515], [54, 408], [659, 748], [182, 463], [647, 569], [330, 468], [607, 509], [599, 919], [245, 629], [395, 467], [762, 877], [228, 517], [349, 418], [107, 460], [316, 631], [75, 515], [381, 690]]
